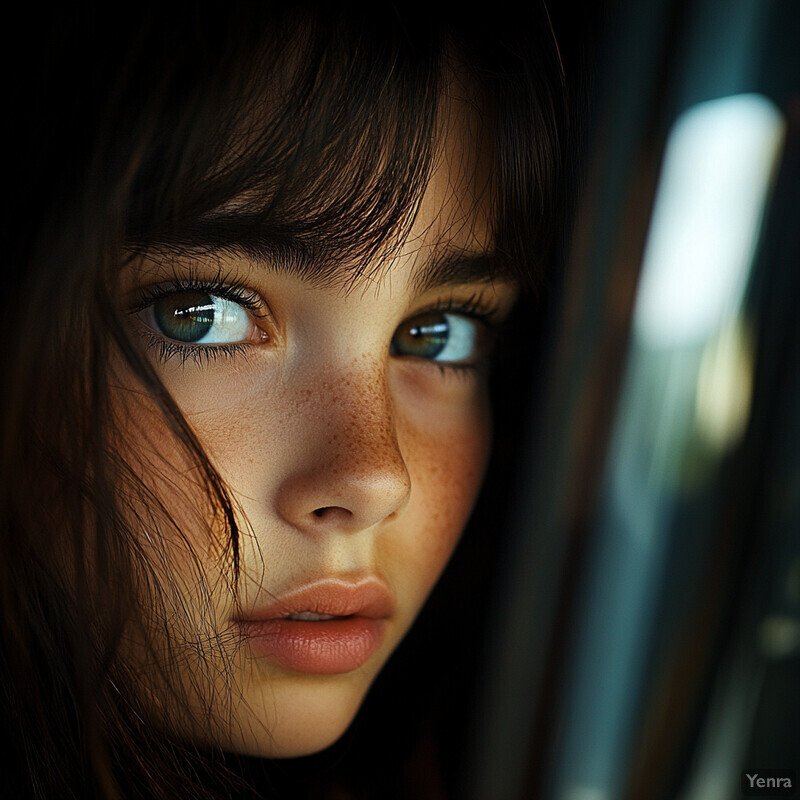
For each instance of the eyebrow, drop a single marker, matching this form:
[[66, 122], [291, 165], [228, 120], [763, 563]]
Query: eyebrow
[[448, 267], [457, 266]]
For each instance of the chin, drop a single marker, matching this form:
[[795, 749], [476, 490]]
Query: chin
[[295, 718]]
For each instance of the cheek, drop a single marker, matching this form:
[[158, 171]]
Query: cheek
[[446, 456]]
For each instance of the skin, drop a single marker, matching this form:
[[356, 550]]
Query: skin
[[314, 414]]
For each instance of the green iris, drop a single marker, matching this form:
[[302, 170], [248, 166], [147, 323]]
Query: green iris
[[184, 316], [424, 336]]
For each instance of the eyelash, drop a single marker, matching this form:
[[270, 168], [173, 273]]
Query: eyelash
[[202, 355], [225, 287], [220, 286]]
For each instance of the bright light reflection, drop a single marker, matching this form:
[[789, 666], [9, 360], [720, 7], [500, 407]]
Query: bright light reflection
[[724, 386], [714, 181]]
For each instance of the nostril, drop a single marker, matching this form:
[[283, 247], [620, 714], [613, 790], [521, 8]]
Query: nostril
[[332, 513]]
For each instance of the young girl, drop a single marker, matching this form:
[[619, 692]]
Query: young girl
[[260, 259]]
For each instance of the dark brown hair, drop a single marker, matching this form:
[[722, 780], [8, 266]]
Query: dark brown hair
[[137, 130]]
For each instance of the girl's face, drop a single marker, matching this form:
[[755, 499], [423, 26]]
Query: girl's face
[[350, 423]]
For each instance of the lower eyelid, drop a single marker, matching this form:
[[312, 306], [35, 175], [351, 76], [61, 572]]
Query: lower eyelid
[[165, 350]]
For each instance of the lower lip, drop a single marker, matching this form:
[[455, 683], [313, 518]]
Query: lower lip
[[322, 648]]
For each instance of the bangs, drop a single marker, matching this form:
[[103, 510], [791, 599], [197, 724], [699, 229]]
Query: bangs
[[320, 143], [311, 138]]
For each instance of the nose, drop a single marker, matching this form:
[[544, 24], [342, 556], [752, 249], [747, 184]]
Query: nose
[[348, 472]]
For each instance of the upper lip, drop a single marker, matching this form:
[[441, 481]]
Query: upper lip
[[369, 598]]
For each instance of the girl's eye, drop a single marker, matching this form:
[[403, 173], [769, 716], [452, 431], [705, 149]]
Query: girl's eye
[[198, 318], [438, 336]]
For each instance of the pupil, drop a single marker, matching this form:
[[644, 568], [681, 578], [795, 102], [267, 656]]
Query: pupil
[[186, 317], [424, 336]]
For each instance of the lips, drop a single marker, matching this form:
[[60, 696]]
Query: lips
[[328, 627]]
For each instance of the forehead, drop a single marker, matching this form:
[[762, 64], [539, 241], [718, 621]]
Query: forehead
[[456, 205], [451, 236]]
